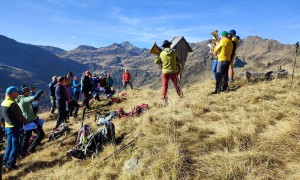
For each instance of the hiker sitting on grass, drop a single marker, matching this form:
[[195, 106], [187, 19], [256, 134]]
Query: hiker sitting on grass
[[32, 121]]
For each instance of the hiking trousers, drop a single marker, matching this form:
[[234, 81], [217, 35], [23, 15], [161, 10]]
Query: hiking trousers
[[222, 76], [165, 81], [53, 104], [13, 146], [40, 134], [62, 115], [73, 105], [125, 84]]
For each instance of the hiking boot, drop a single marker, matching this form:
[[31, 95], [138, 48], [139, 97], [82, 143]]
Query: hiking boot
[[212, 93], [13, 167], [165, 102]]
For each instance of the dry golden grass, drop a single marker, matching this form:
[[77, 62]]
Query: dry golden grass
[[252, 133]]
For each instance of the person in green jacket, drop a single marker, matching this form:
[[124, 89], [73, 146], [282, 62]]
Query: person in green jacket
[[167, 61], [33, 124]]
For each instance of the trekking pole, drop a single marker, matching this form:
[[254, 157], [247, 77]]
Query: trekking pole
[[131, 143], [297, 45]]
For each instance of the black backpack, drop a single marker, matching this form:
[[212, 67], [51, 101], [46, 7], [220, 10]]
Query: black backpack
[[95, 143], [62, 129]]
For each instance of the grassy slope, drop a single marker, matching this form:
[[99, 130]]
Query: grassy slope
[[252, 133]]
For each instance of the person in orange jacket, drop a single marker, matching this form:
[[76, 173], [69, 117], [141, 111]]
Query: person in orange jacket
[[126, 79]]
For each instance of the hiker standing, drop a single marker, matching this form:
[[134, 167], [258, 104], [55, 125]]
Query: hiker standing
[[224, 50], [95, 91], [167, 60], [72, 104], [214, 59], [109, 81], [86, 87], [76, 88], [33, 124], [235, 40], [126, 79], [52, 95], [101, 85], [61, 101], [14, 120]]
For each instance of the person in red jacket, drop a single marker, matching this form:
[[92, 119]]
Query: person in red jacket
[[126, 79]]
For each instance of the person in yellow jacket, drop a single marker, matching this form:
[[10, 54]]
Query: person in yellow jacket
[[14, 121], [167, 60], [224, 50], [235, 41]]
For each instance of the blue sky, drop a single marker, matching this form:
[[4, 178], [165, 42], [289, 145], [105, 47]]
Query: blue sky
[[69, 23]]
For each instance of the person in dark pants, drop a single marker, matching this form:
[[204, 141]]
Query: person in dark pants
[[61, 101], [72, 104], [52, 86], [32, 121], [14, 120], [126, 79], [224, 50], [87, 87]]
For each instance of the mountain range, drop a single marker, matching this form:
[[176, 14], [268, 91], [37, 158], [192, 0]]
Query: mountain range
[[22, 63]]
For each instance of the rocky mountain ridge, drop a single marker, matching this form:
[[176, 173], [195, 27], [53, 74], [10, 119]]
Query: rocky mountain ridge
[[24, 63]]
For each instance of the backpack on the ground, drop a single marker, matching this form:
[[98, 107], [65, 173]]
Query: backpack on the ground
[[108, 133], [62, 129], [95, 143], [116, 100], [136, 111], [83, 133], [121, 113], [102, 119]]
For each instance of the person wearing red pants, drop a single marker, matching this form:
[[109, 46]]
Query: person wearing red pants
[[167, 61]]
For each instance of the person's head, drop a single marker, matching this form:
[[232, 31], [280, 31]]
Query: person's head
[[61, 79], [12, 92], [54, 79], [76, 78], [166, 44], [224, 34], [70, 75], [67, 81], [108, 75], [94, 75], [86, 73], [232, 32], [126, 70], [25, 91]]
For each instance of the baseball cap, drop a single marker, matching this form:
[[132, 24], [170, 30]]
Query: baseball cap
[[12, 89]]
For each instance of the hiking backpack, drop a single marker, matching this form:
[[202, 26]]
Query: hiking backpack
[[94, 143], [108, 133], [116, 100], [62, 129], [136, 111], [83, 133]]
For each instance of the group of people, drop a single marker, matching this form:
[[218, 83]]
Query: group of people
[[223, 55], [20, 107], [65, 92], [20, 118]]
